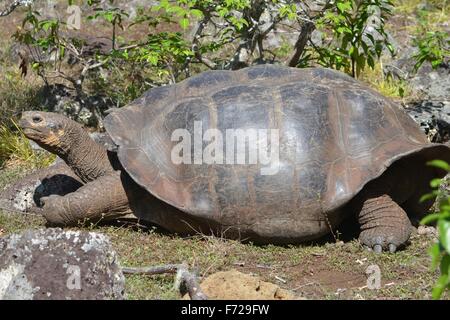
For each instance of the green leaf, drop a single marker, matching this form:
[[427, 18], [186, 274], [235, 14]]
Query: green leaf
[[62, 51], [152, 59], [445, 265], [436, 63], [435, 253], [184, 23], [351, 51], [430, 218], [440, 286], [196, 13], [443, 227], [435, 183], [428, 196], [390, 48], [439, 164], [344, 6]]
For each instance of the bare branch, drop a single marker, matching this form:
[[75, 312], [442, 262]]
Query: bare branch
[[168, 268], [188, 282]]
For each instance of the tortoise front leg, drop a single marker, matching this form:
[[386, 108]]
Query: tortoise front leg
[[103, 198], [384, 224]]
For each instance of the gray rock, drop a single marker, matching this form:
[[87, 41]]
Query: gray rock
[[433, 117], [23, 196], [52, 264], [431, 108]]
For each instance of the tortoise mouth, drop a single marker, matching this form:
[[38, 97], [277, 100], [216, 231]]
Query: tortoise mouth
[[31, 132]]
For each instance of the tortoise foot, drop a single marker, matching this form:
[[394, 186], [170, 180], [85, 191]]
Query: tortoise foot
[[384, 225], [385, 241], [88, 203], [53, 210]]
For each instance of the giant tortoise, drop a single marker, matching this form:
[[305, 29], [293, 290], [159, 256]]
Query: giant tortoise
[[343, 151]]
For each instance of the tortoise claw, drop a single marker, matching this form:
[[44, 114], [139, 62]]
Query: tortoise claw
[[377, 248], [392, 248]]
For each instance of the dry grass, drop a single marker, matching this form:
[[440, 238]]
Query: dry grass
[[15, 149], [387, 86]]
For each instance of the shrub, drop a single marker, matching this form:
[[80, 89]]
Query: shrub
[[440, 251]]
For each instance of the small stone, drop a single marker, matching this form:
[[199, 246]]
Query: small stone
[[426, 230], [340, 243]]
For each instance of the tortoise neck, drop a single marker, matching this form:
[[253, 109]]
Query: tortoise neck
[[88, 159]]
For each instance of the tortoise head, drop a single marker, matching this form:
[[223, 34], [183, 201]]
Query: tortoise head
[[47, 129]]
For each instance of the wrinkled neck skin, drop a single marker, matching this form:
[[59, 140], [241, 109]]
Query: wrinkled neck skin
[[88, 159]]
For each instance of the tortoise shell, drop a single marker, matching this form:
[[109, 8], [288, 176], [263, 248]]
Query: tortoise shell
[[335, 136]]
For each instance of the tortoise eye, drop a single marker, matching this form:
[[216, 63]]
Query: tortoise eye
[[37, 119]]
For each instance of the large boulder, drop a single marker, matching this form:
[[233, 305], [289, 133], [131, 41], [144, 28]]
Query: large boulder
[[57, 264]]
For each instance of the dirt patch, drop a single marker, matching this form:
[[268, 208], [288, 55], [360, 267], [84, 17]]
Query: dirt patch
[[235, 285], [313, 278]]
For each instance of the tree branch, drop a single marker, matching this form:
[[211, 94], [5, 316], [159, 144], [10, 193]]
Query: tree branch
[[307, 29]]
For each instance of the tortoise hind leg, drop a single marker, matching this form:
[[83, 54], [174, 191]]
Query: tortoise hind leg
[[384, 224], [103, 198]]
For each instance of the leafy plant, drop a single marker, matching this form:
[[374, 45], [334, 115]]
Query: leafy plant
[[225, 34], [114, 16], [353, 45], [433, 47], [440, 251], [432, 41]]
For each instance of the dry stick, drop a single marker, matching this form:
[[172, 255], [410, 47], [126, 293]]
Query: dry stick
[[168, 268], [187, 280]]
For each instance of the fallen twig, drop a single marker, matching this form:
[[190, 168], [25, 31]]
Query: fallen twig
[[186, 281], [280, 279], [304, 285], [168, 268]]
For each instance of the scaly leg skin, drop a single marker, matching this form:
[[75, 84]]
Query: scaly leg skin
[[384, 224], [103, 198]]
